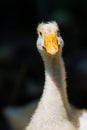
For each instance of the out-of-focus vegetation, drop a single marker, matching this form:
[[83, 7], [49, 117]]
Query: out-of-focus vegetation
[[21, 68]]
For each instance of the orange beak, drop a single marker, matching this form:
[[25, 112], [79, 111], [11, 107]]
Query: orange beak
[[51, 44]]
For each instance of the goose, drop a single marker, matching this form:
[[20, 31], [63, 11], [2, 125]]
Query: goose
[[54, 111]]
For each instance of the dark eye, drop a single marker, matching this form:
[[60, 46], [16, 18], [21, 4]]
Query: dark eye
[[58, 33], [40, 33]]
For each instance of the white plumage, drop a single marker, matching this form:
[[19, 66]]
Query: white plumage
[[53, 111]]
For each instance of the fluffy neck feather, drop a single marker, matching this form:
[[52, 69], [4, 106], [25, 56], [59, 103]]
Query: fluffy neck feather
[[53, 108], [54, 93]]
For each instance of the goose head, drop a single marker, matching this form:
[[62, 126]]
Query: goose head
[[49, 40]]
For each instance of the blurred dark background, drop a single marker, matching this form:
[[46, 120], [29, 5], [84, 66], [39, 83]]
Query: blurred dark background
[[21, 67]]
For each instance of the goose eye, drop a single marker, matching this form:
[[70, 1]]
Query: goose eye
[[40, 33], [58, 33]]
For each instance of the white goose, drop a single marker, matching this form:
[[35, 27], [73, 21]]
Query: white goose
[[54, 111]]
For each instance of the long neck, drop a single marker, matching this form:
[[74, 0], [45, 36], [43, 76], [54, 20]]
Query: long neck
[[55, 83]]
